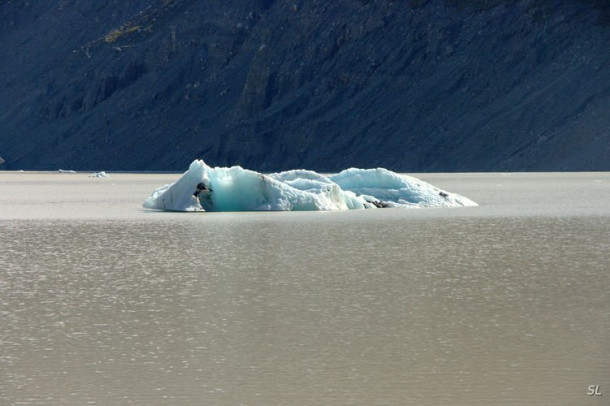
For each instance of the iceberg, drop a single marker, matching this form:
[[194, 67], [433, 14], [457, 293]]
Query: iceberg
[[203, 188]]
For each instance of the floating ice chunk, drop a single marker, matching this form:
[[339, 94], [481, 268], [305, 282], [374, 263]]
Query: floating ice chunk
[[99, 175], [66, 171], [203, 188]]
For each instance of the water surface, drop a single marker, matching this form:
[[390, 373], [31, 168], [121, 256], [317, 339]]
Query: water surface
[[102, 302]]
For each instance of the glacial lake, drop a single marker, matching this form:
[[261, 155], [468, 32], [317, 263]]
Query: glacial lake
[[103, 302]]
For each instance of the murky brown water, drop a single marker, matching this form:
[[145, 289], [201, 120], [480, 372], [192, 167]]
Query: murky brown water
[[104, 303]]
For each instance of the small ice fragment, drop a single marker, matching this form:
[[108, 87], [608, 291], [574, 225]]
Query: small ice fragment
[[99, 175]]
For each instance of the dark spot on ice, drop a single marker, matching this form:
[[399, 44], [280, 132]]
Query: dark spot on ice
[[378, 203], [443, 194], [201, 187]]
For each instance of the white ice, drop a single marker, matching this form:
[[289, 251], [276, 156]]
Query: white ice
[[99, 175], [203, 188]]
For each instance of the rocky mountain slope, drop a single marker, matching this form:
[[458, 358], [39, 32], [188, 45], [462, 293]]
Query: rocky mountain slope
[[411, 85]]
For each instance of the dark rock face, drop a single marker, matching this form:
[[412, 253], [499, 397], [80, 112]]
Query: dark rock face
[[411, 85]]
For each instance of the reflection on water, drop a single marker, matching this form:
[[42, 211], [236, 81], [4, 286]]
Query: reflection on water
[[305, 309]]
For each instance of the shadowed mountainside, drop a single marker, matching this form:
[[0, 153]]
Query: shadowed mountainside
[[412, 85]]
